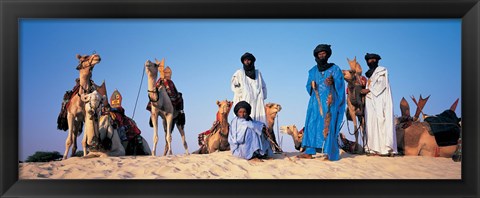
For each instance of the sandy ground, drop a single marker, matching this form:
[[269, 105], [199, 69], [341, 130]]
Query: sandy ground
[[222, 165]]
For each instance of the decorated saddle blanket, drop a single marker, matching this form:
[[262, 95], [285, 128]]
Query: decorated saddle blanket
[[203, 135], [62, 123], [175, 96], [124, 122], [445, 127]]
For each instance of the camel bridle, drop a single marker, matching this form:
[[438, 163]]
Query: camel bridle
[[90, 65], [156, 90]]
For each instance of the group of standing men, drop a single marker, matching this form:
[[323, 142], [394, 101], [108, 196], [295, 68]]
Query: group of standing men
[[325, 111]]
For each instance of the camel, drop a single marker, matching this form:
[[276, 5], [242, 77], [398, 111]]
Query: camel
[[217, 139], [297, 136], [76, 108], [100, 136], [355, 100], [414, 137], [93, 102], [271, 111], [162, 106]]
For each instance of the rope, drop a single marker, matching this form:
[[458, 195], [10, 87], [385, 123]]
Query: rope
[[138, 94]]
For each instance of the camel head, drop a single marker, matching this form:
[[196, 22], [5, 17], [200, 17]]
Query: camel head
[[272, 109], [296, 135], [348, 75], [224, 107], [152, 69], [355, 66], [88, 61], [355, 69], [93, 110]]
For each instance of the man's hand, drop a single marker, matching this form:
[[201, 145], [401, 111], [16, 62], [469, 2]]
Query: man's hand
[[365, 91], [314, 85]]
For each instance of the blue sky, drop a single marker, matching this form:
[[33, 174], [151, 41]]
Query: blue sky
[[422, 56]]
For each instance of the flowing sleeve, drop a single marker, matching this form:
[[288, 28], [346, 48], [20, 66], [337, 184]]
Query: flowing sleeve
[[264, 86], [237, 132], [256, 126], [236, 84], [309, 83], [339, 84], [379, 84]]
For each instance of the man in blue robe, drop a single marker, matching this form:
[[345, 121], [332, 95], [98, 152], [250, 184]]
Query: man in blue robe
[[322, 125], [247, 137]]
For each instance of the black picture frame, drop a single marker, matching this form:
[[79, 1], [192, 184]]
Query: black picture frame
[[11, 11]]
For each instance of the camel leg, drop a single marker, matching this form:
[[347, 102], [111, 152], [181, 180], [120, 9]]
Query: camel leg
[[182, 133], [165, 130], [154, 118], [351, 111], [68, 141], [168, 136], [84, 144]]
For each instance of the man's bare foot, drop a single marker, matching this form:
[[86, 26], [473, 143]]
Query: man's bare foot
[[305, 156]]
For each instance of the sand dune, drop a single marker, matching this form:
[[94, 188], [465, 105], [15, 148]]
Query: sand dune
[[222, 165]]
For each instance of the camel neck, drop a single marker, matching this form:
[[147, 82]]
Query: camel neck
[[151, 82], [84, 81], [270, 119]]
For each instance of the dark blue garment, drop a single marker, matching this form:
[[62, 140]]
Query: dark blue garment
[[314, 122]]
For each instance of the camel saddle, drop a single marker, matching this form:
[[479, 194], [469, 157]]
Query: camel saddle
[[445, 127], [175, 96], [123, 121], [62, 123], [203, 135]]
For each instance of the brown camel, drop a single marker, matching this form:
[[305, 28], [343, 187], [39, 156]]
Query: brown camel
[[217, 138], [76, 107], [297, 136], [414, 137], [162, 106], [356, 100], [271, 111]]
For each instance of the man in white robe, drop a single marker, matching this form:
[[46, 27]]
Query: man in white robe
[[248, 85], [381, 137]]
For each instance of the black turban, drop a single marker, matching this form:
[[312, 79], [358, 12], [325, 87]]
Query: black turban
[[245, 105], [374, 56], [322, 47], [248, 56]]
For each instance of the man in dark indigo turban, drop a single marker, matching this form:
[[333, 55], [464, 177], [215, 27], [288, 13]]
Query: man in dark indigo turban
[[379, 109], [372, 62], [248, 85], [322, 127]]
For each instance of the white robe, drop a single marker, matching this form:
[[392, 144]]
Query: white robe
[[381, 137], [252, 91]]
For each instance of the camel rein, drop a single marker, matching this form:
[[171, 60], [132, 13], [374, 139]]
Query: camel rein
[[138, 94]]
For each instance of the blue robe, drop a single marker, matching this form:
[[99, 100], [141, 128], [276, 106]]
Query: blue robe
[[246, 138], [314, 122]]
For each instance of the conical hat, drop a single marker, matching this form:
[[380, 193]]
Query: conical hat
[[116, 99]]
